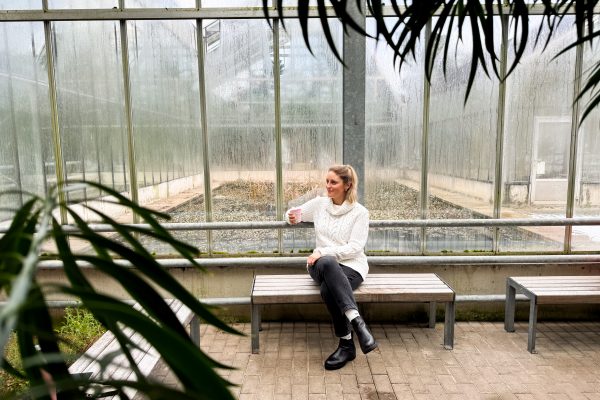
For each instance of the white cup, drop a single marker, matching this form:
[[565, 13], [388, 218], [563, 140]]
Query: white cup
[[297, 213]]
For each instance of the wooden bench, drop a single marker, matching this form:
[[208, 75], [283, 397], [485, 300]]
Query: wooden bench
[[377, 288], [146, 357], [547, 290]]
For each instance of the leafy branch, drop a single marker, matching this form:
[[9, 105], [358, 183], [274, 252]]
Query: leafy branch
[[26, 311]]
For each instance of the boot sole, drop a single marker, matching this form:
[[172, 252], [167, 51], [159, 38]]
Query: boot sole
[[333, 368], [370, 348]]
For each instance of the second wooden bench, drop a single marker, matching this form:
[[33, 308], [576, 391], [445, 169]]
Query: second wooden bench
[[377, 288], [547, 290]]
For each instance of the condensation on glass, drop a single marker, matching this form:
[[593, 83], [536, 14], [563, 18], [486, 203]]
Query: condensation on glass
[[20, 4], [462, 147], [82, 4], [160, 3], [230, 3], [26, 157], [394, 129], [163, 67], [537, 135], [90, 105], [311, 117], [241, 135], [587, 178]]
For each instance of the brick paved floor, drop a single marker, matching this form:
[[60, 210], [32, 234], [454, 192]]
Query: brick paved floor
[[486, 363]]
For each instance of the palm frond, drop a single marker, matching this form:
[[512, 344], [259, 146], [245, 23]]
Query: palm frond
[[26, 311], [473, 16]]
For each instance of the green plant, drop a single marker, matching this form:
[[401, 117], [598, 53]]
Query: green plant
[[79, 328], [9, 383], [26, 312], [471, 17]]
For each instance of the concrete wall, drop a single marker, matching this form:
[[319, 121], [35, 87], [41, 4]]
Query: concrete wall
[[465, 279]]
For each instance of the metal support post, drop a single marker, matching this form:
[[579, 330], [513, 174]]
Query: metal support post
[[509, 307], [432, 311], [449, 318], [533, 309], [353, 97], [195, 330], [255, 328]]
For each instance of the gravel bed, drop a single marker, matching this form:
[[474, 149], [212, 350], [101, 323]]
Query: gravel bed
[[255, 201]]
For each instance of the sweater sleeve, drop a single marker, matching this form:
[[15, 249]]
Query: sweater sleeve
[[356, 244], [308, 210]]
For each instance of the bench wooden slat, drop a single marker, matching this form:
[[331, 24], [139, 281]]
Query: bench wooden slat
[[590, 297], [554, 279], [560, 284], [371, 286], [575, 290], [311, 296], [371, 276]]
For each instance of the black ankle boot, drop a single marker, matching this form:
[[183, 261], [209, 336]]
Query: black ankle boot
[[365, 338], [344, 353]]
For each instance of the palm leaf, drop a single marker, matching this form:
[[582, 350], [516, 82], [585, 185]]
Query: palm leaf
[[413, 18], [26, 310], [178, 351]]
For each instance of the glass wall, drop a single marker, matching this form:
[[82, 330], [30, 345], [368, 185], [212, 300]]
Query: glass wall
[[20, 4], [90, 104], [587, 182], [240, 118], [394, 128], [537, 136], [462, 147], [165, 105], [26, 156], [251, 118], [311, 117], [68, 4]]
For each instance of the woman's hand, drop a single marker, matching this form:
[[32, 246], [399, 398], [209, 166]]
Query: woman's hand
[[295, 216], [312, 259]]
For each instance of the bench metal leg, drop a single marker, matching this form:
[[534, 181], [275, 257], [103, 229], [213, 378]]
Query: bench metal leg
[[449, 326], [255, 326], [533, 308], [195, 330], [509, 308], [432, 311]]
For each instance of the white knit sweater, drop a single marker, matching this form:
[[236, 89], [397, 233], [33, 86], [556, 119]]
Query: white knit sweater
[[340, 231]]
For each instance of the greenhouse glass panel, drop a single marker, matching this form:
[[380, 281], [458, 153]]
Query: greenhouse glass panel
[[20, 4], [537, 135], [394, 122], [587, 182], [90, 105], [230, 3], [26, 157], [82, 4], [166, 111], [462, 146], [240, 119], [311, 117], [160, 3]]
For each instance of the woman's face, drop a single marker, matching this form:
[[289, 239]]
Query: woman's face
[[336, 189]]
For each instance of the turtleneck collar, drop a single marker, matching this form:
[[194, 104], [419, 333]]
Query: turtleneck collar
[[339, 210]]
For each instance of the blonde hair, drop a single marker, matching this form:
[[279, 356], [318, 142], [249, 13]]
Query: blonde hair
[[349, 177]]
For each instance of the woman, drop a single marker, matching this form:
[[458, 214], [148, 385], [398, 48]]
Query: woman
[[338, 262]]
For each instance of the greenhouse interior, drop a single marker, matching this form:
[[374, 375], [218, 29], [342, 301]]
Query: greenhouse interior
[[223, 119]]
